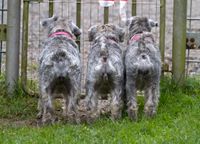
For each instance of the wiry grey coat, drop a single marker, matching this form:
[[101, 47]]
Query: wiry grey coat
[[143, 66], [59, 69], [105, 68]]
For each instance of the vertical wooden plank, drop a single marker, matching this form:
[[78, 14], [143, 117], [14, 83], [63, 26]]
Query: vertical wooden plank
[[162, 28], [51, 8], [24, 53], [179, 40], [1, 42], [134, 7], [13, 44], [78, 19], [106, 15]]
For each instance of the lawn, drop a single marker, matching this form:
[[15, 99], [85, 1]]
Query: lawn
[[177, 121]]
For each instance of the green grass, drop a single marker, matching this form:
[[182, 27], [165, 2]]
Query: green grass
[[177, 121]]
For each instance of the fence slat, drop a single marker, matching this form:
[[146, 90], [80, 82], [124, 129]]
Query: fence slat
[[24, 53], [134, 8], [51, 8], [162, 28], [106, 15], [78, 19], [179, 40], [13, 43]]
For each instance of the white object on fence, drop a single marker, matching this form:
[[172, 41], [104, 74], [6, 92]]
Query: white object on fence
[[122, 9], [106, 3]]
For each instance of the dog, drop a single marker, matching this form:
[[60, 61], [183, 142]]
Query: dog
[[105, 69], [142, 66], [59, 69]]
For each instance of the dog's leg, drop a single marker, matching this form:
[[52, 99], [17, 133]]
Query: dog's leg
[[71, 108], [39, 108], [116, 104], [156, 96], [151, 99], [91, 103], [40, 104], [65, 104], [48, 111], [131, 98]]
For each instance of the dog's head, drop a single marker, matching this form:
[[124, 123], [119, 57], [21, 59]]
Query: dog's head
[[140, 24], [55, 23], [109, 30]]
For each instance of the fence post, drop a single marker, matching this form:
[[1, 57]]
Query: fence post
[[1, 39], [106, 15], [13, 43], [78, 19], [24, 53], [179, 40], [51, 8], [134, 8], [162, 28]]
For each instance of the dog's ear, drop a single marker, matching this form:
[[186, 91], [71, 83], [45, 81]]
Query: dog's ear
[[54, 18], [129, 20], [91, 32], [121, 33], [153, 23], [74, 29], [47, 22]]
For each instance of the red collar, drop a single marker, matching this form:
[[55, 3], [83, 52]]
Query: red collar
[[113, 39], [67, 34], [135, 37]]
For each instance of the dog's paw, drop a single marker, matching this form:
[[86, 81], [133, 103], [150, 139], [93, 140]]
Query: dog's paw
[[132, 113], [150, 111], [39, 115], [48, 121], [116, 113]]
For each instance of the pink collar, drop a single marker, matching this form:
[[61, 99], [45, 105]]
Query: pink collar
[[135, 37], [67, 34]]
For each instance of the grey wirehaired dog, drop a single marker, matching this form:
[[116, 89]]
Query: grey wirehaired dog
[[59, 68], [142, 65], [105, 69]]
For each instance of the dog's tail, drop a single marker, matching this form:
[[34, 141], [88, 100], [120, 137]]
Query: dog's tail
[[104, 59], [104, 53], [61, 62], [59, 55]]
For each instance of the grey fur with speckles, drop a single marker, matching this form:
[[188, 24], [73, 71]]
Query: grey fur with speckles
[[59, 69], [143, 66], [105, 69]]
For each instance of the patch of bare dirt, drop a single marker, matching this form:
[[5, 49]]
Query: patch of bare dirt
[[18, 123]]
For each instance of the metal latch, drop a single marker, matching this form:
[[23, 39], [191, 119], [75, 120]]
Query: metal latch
[[193, 40]]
